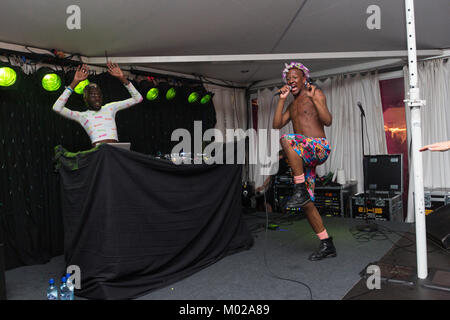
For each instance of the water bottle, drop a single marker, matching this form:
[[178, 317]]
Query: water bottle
[[70, 286], [64, 291], [52, 290]]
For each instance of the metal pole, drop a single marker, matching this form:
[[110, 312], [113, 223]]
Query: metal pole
[[415, 104]]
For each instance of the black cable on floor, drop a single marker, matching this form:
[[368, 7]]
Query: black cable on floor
[[265, 242], [403, 234]]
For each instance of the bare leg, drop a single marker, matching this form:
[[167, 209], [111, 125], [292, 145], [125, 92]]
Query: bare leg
[[300, 198], [295, 161], [313, 217], [300, 195]]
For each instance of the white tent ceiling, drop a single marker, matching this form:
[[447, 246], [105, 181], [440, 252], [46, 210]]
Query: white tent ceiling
[[138, 28]]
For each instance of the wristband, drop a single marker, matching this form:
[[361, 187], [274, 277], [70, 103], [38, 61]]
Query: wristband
[[70, 89]]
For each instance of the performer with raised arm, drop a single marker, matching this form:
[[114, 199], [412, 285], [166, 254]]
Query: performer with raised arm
[[307, 147], [99, 121]]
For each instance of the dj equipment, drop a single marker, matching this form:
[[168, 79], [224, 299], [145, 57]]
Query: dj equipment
[[334, 200], [282, 193], [283, 180], [121, 145], [330, 200]]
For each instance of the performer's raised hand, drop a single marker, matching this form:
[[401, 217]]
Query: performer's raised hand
[[115, 71], [81, 74], [310, 89], [438, 146]]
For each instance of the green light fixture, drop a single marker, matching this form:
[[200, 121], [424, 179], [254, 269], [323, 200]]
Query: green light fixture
[[193, 97], [171, 93], [51, 82], [8, 77], [206, 98], [80, 87], [152, 94]]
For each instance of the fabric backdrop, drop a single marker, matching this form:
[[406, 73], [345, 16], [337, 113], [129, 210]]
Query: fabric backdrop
[[342, 93], [434, 85], [267, 103], [231, 112], [30, 213], [133, 223]]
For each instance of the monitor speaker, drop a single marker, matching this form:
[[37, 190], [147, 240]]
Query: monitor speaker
[[438, 226]]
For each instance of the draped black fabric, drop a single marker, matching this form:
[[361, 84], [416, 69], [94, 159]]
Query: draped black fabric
[[30, 212], [134, 223]]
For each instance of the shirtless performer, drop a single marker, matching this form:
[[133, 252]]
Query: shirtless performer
[[99, 121], [307, 148]]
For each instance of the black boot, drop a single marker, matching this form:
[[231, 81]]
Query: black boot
[[326, 250], [300, 197]]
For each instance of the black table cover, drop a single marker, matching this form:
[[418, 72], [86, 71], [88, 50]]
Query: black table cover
[[134, 223]]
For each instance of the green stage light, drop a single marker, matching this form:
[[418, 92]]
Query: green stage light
[[193, 97], [8, 76], [171, 93], [51, 82], [152, 94], [80, 87], [206, 98]]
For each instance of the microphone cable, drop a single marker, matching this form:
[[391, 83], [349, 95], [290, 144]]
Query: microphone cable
[[265, 242]]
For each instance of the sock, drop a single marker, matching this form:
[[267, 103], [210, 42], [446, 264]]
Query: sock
[[299, 179], [323, 235]]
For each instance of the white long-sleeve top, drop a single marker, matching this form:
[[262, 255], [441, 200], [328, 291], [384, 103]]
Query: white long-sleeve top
[[101, 124]]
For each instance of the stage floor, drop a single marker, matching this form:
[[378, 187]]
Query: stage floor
[[255, 274], [399, 274]]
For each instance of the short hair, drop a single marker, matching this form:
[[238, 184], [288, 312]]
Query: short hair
[[88, 88]]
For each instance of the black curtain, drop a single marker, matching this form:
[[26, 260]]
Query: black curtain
[[30, 208], [134, 223]]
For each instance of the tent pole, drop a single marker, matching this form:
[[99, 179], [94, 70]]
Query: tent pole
[[415, 104]]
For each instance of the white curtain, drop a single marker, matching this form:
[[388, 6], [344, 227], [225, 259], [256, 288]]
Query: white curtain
[[434, 85], [267, 104], [342, 93], [231, 107], [231, 112]]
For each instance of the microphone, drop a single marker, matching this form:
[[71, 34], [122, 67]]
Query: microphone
[[279, 92], [361, 108]]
